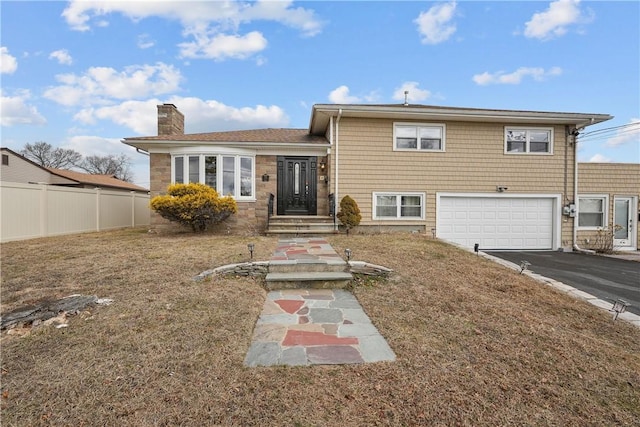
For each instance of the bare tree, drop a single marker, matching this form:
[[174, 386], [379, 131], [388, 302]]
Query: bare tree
[[116, 165], [45, 155]]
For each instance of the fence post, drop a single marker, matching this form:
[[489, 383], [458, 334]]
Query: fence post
[[97, 208], [133, 209], [44, 211]]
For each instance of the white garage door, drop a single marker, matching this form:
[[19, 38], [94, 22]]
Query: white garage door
[[496, 222]]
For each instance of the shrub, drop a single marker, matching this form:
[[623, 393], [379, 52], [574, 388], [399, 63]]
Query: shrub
[[194, 205], [349, 214]]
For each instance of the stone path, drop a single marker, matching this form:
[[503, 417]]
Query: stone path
[[301, 327], [315, 327]]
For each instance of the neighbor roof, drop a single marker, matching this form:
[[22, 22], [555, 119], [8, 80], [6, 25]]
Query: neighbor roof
[[97, 180]]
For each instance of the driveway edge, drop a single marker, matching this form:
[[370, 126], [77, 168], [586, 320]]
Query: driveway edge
[[563, 287]]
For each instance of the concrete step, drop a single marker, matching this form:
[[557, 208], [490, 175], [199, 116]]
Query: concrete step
[[302, 219], [314, 280], [307, 265]]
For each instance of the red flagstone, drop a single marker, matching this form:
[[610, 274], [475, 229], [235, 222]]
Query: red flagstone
[[315, 338], [289, 305]]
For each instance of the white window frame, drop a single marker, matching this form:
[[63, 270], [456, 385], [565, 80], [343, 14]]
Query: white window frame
[[398, 196], [605, 213], [527, 151], [441, 126], [219, 172]]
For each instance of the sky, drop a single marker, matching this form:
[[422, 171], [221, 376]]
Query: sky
[[86, 74]]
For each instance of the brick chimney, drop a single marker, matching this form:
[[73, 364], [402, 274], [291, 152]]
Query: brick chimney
[[170, 120]]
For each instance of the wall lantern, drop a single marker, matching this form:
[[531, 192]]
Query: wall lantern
[[265, 177], [323, 165], [251, 248]]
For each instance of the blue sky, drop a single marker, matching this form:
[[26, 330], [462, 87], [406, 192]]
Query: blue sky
[[84, 75]]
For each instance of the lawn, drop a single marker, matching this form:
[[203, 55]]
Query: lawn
[[476, 344]]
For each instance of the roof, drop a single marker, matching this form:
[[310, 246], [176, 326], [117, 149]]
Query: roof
[[321, 114], [97, 180], [271, 135]]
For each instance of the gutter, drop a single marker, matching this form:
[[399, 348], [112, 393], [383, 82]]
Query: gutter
[[575, 193], [336, 198]]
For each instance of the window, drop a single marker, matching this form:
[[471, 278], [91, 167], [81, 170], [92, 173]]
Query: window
[[5, 160], [232, 175], [592, 212], [422, 137], [529, 140], [398, 206]]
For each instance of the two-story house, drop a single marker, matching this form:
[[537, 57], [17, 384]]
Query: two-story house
[[502, 179]]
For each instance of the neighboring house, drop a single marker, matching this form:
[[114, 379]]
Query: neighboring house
[[17, 168], [503, 179]]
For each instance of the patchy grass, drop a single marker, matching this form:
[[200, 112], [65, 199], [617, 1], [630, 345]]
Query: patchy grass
[[477, 344]]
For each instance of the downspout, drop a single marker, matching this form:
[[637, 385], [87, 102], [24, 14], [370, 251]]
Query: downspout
[[336, 198], [575, 193]]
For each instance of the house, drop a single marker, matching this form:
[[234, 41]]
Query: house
[[17, 168], [502, 179]]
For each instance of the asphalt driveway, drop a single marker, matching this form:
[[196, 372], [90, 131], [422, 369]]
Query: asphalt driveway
[[603, 277]]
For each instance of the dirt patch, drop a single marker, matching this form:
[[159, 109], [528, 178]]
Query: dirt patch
[[476, 344]]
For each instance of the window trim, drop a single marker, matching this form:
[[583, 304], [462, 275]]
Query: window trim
[[605, 213], [441, 126], [219, 171], [398, 217], [528, 140]]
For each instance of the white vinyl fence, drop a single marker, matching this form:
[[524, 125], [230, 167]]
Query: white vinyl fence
[[36, 210]]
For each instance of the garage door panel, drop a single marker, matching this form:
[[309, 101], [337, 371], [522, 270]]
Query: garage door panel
[[497, 222]]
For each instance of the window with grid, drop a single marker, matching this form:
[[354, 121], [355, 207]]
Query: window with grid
[[528, 140], [398, 206], [419, 137]]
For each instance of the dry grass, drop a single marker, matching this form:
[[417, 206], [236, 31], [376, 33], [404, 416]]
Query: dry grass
[[477, 344]]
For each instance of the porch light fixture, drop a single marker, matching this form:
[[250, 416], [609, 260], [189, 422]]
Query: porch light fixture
[[347, 253], [323, 165], [265, 177], [251, 248], [619, 306]]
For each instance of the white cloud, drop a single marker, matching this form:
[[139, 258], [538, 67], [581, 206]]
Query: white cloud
[[62, 56], [208, 23], [145, 41], [415, 94], [628, 134], [340, 95], [100, 85], [8, 63], [200, 115], [554, 21], [435, 24], [500, 77], [599, 158], [222, 46], [16, 110]]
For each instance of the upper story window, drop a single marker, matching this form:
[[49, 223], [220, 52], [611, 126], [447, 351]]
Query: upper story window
[[520, 140], [5, 160], [228, 174], [592, 211], [420, 137]]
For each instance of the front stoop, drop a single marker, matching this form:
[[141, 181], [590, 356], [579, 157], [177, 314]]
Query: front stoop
[[301, 225]]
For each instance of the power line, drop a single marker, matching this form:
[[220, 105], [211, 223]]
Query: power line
[[609, 129]]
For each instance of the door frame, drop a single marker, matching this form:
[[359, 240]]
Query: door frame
[[313, 185], [629, 244]]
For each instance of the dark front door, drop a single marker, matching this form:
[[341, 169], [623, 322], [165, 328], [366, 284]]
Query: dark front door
[[297, 178]]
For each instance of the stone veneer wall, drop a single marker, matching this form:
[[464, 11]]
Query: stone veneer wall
[[251, 217]]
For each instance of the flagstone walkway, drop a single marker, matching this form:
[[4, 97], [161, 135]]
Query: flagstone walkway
[[300, 327]]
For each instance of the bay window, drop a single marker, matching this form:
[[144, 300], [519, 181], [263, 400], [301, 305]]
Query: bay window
[[228, 174]]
